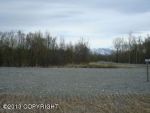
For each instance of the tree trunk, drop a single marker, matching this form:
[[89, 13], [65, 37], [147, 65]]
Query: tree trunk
[[117, 57], [129, 57]]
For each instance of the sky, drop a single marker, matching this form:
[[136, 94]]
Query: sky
[[97, 21]]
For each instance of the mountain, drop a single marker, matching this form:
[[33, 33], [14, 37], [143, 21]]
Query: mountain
[[103, 51]]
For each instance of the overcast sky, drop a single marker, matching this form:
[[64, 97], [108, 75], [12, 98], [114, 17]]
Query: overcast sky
[[98, 21]]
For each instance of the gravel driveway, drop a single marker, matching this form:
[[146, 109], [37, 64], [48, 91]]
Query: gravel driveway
[[78, 81]]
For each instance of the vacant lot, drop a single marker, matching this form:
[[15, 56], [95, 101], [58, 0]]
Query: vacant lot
[[76, 90], [73, 81]]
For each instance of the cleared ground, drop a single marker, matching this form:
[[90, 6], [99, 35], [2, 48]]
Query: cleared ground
[[75, 90], [73, 81]]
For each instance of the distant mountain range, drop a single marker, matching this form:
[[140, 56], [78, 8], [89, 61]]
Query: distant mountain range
[[103, 51]]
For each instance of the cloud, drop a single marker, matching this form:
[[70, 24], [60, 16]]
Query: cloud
[[126, 6], [96, 20]]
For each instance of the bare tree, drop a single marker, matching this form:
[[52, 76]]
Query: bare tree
[[62, 49], [130, 45], [140, 49], [70, 53], [117, 44], [82, 51]]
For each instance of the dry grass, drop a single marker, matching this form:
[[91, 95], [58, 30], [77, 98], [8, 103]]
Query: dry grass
[[117, 103], [110, 65], [99, 65]]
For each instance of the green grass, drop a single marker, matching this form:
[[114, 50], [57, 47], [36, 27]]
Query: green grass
[[117, 103]]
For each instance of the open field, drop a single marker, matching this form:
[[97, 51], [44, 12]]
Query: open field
[[73, 81], [116, 103], [76, 90]]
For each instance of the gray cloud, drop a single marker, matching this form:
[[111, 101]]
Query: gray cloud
[[124, 6], [70, 18]]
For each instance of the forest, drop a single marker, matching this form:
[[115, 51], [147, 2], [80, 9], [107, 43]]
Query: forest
[[41, 49]]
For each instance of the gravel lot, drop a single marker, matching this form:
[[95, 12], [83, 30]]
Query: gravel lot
[[72, 81]]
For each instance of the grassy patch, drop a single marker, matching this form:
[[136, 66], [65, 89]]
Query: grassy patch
[[117, 103], [99, 65]]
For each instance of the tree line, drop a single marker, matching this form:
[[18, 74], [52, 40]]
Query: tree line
[[133, 50], [41, 49], [38, 49]]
